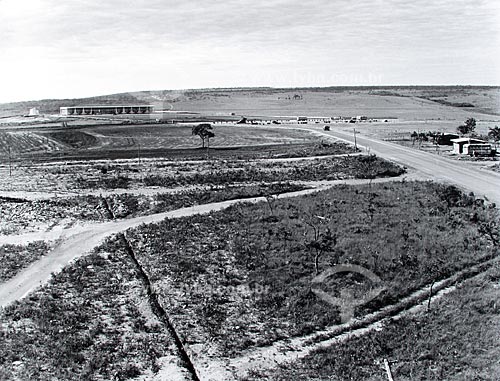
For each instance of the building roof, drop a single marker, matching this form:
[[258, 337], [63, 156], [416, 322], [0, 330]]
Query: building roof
[[467, 140], [102, 106]]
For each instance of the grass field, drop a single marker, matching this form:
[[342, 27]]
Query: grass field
[[347, 103], [90, 322], [16, 257], [146, 140], [196, 263], [411, 102]]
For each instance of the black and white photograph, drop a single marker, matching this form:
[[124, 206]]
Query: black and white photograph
[[246, 190]]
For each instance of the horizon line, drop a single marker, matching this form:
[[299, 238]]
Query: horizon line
[[239, 88]]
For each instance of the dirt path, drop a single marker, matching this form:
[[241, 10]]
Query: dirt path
[[146, 191], [59, 232], [78, 240]]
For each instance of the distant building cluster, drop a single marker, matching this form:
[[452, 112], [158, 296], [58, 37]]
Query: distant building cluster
[[106, 109], [309, 120], [328, 119]]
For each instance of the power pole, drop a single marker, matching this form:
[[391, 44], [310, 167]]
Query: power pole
[[10, 163], [355, 142], [139, 159]]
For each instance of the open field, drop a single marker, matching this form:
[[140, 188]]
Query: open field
[[431, 108], [92, 321], [330, 102], [21, 216], [273, 246], [156, 141], [16, 257], [159, 186]]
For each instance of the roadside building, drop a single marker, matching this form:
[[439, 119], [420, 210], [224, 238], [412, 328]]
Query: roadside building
[[313, 119], [470, 146]]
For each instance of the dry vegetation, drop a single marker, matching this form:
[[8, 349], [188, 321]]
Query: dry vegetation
[[16, 257], [456, 340], [408, 234], [90, 322], [240, 278]]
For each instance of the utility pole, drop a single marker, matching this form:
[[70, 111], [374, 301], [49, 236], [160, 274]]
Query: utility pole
[[10, 163], [355, 143], [139, 159]]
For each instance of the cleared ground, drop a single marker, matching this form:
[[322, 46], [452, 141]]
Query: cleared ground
[[133, 141]]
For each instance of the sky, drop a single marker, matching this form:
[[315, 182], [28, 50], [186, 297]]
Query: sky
[[70, 49]]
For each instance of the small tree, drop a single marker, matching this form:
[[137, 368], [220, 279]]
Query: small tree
[[321, 241], [468, 127], [204, 131], [414, 136], [494, 134]]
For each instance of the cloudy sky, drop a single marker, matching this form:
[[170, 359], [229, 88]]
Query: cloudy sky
[[59, 49]]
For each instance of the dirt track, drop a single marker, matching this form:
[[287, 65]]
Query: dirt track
[[78, 241]]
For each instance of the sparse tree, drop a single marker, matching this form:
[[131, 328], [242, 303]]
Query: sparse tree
[[414, 136], [494, 134], [204, 131], [322, 240], [468, 127]]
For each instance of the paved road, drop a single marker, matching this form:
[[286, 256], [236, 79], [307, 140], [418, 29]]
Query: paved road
[[430, 166]]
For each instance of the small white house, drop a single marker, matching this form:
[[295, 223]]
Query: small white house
[[34, 112]]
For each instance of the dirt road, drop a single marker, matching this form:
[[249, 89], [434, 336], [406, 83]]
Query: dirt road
[[430, 166], [82, 239]]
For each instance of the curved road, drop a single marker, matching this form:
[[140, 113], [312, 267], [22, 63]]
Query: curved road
[[81, 240]]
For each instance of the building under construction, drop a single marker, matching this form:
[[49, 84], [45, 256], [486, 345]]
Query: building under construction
[[106, 109]]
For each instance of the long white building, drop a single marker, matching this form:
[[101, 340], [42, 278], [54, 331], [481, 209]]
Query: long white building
[[106, 109]]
